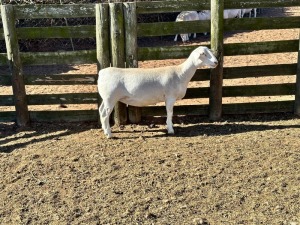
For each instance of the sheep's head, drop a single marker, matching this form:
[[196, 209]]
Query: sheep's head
[[203, 56]]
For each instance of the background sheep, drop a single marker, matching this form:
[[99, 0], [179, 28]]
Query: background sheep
[[186, 16]]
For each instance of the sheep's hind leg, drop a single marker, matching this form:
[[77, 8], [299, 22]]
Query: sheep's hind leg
[[105, 111], [101, 114], [169, 106]]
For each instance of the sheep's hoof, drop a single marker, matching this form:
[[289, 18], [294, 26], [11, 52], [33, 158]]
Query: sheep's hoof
[[109, 136], [171, 132]]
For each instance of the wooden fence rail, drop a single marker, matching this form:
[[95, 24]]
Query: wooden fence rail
[[116, 32]]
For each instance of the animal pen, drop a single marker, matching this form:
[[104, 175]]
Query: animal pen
[[116, 32]]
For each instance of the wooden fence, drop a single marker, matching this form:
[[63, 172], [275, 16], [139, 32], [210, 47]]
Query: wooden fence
[[116, 32]]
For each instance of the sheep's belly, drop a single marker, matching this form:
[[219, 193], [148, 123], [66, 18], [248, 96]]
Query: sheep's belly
[[142, 100]]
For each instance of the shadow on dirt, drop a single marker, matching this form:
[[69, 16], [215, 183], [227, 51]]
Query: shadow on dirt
[[13, 138]]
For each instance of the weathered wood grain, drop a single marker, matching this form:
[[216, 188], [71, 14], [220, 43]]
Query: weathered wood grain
[[134, 113], [8, 116], [7, 100], [15, 64], [69, 98], [58, 58], [54, 11], [217, 46], [64, 116], [82, 31], [67, 79], [117, 34]]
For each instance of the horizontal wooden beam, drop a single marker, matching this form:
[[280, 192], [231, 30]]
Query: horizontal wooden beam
[[69, 98], [260, 47], [258, 107], [54, 11], [147, 7], [8, 116], [7, 100], [227, 109], [259, 90], [64, 116], [172, 28], [5, 80], [259, 71], [58, 58], [178, 52], [66, 79], [83, 31]]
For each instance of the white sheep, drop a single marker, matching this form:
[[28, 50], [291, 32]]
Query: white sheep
[[204, 15], [186, 16], [142, 87], [244, 11], [232, 13]]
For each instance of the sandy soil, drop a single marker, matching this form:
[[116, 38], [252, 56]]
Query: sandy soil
[[241, 170]]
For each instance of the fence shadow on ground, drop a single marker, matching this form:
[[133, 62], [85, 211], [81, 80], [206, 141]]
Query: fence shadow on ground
[[13, 138]]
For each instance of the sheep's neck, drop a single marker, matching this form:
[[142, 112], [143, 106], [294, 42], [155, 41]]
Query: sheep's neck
[[188, 70]]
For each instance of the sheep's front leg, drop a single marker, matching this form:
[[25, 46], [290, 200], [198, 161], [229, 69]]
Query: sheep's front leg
[[169, 106]]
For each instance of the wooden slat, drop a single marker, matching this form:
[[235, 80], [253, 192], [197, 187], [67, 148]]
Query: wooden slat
[[7, 100], [8, 116], [237, 4], [172, 28], [64, 116], [54, 11], [259, 107], [58, 58], [168, 52], [83, 31], [201, 75], [5, 80], [70, 98], [70, 79], [171, 6], [228, 109], [202, 92], [259, 71], [147, 7], [262, 23], [201, 110], [177, 52], [259, 90], [249, 71], [260, 47]]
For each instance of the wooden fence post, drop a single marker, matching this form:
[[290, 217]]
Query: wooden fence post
[[102, 40], [297, 93], [134, 113], [216, 76], [118, 52], [14, 60]]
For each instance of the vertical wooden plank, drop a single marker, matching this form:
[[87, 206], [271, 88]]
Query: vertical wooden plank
[[102, 40], [130, 26], [216, 76], [118, 52], [297, 93], [12, 47]]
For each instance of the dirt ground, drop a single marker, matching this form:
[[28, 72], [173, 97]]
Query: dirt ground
[[240, 170]]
